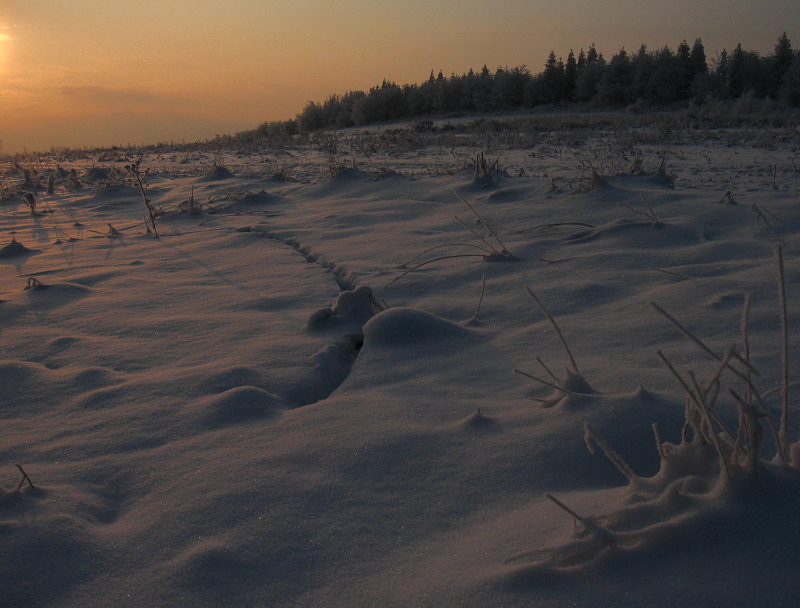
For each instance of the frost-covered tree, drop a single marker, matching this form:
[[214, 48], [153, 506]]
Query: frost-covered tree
[[380, 104], [747, 73], [667, 82], [701, 84], [551, 80], [482, 90], [617, 84], [697, 58], [660, 77], [590, 77], [592, 55], [570, 77], [790, 83], [780, 63], [784, 56], [643, 66], [312, 117], [508, 90]]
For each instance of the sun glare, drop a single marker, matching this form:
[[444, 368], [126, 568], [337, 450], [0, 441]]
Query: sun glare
[[5, 41]]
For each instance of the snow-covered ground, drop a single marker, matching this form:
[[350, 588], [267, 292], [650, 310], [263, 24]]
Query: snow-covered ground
[[304, 392]]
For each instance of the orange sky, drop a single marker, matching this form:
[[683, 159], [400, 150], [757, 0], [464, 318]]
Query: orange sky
[[90, 72]]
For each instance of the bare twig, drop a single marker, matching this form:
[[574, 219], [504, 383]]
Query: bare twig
[[746, 339], [555, 326], [480, 300], [419, 255], [760, 215], [555, 225], [577, 517], [651, 214], [546, 383], [701, 345], [483, 222], [547, 369], [24, 479], [444, 257], [676, 274], [784, 446], [478, 236]]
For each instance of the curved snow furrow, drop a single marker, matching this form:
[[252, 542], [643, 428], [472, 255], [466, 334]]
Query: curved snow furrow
[[331, 365], [330, 368], [344, 279]]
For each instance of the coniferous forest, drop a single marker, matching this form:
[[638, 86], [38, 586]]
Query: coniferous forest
[[643, 79]]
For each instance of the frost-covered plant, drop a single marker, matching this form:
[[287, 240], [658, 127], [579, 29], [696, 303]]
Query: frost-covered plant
[[30, 200], [140, 179], [710, 462], [568, 389], [233, 196], [496, 251], [484, 167]]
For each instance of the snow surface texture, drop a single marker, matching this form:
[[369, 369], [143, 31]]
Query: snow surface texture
[[259, 408]]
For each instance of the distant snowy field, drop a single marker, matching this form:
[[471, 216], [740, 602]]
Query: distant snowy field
[[303, 391]]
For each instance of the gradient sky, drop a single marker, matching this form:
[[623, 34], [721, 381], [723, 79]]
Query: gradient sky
[[93, 72]]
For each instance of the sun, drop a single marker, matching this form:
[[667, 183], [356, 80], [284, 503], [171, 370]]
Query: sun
[[5, 43]]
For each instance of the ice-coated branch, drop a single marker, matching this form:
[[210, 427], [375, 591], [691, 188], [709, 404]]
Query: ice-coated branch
[[590, 435]]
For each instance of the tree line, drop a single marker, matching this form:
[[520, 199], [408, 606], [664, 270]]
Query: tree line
[[644, 78]]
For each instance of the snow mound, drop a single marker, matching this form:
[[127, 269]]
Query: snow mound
[[15, 249], [478, 422], [20, 382], [351, 309], [237, 406], [225, 379], [409, 327], [209, 564], [52, 295], [217, 174]]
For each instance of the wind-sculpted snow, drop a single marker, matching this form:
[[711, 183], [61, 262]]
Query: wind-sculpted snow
[[238, 405], [640, 235], [409, 328], [303, 392]]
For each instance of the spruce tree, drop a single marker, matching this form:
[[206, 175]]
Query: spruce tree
[[697, 58], [570, 76]]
